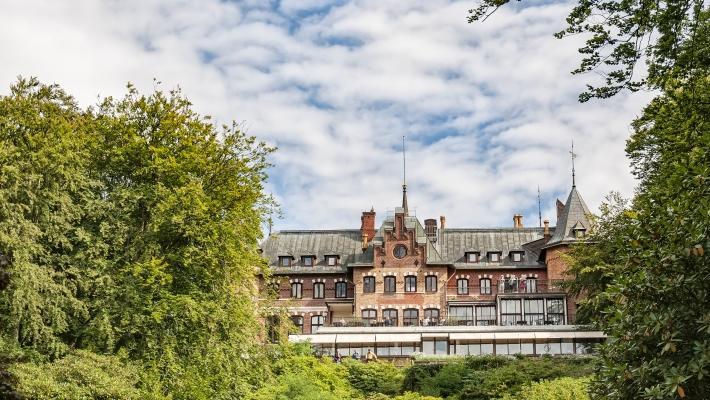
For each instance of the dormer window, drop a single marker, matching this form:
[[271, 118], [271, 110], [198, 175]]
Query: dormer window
[[579, 233], [494, 256], [472, 256], [517, 256], [285, 261], [331, 260], [307, 261]]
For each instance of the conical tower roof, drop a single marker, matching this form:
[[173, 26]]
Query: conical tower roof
[[575, 216]]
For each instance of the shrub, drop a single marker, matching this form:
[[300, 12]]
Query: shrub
[[556, 389], [374, 377]]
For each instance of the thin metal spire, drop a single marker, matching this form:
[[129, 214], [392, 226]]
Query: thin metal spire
[[539, 207], [573, 155], [404, 179]]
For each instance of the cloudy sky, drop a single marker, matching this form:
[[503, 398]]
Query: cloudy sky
[[488, 110]]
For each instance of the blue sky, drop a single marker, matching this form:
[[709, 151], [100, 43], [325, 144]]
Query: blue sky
[[489, 110]]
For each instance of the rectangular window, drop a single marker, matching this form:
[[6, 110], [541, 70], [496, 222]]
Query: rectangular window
[[431, 317], [551, 346], [531, 285], [316, 322], [410, 283], [485, 286], [296, 290], [285, 261], [368, 284], [435, 346], [485, 315], [462, 286], [389, 317], [510, 312], [461, 315], [319, 290], [431, 283], [369, 317], [517, 256], [555, 312], [341, 290], [493, 256], [411, 317], [307, 261], [472, 257], [331, 260], [534, 311], [390, 284]]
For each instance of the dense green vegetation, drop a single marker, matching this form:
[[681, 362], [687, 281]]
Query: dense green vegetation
[[646, 270], [128, 232]]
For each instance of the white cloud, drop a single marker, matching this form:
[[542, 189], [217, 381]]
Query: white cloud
[[489, 109]]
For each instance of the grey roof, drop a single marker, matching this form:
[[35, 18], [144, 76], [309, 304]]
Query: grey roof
[[455, 243], [574, 216], [345, 243]]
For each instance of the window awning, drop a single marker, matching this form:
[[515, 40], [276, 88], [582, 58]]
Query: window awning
[[589, 335], [471, 336], [397, 337], [355, 338]]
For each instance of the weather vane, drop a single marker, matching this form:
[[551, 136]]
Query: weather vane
[[573, 155]]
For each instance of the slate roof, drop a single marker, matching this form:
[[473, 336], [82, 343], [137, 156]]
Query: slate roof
[[455, 243], [575, 215], [345, 243]]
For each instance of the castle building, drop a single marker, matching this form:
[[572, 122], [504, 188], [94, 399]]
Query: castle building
[[405, 287]]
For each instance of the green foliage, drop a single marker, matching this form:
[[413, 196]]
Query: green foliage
[[132, 227], [556, 389], [81, 375], [374, 377], [671, 36], [304, 377], [489, 377]]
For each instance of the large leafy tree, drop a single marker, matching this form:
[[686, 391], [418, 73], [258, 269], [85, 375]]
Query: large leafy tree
[[131, 228], [646, 270]]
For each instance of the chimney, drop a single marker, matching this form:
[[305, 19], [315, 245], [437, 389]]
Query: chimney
[[517, 221], [367, 228], [546, 230], [443, 222], [430, 229]]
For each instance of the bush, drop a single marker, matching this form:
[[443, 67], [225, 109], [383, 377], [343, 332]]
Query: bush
[[80, 375], [374, 377], [556, 389]]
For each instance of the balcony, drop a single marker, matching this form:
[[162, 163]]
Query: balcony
[[509, 286], [453, 321], [330, 294]]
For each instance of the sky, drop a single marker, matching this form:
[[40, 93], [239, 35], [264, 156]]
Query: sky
[[489, 110]]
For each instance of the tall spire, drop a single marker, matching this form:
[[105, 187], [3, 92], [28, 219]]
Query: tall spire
[[573, 155], [539, 207], [404, 180]]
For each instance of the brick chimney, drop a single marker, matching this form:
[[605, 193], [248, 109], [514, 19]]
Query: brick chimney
[[517, 221], [430, 229], [546, 230], [367, 227]]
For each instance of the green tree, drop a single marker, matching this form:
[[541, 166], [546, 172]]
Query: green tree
[[670, 35]]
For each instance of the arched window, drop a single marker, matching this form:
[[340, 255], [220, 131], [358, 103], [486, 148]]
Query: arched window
[[485, 286], [410, 283], [390, 284], [431, 316], [389, 317], [316, 322], [462, 286], [298, 321], [319, 290], [369, 317], [296, 290], [410, 317]]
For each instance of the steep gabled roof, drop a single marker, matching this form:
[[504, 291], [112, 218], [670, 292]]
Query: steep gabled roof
[[574, 216]]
